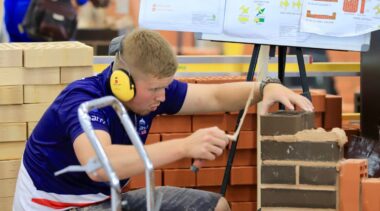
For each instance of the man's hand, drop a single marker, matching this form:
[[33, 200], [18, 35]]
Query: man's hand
[[274, 92], [205, 143]]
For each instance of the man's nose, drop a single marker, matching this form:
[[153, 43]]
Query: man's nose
[[160, 95]]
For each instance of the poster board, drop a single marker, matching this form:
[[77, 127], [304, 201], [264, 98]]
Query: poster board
[[243, 21]]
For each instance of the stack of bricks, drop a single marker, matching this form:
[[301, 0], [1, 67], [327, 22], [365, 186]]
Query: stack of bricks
[[31, 76], [356, 190], [242, 186], [299, 164]]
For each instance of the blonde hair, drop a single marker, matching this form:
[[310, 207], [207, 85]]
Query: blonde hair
[[148, 52]]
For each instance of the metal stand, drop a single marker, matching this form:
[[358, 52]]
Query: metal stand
[[251, 73], [153, 201]]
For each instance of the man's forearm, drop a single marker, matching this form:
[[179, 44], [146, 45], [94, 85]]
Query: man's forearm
[[126, 161]]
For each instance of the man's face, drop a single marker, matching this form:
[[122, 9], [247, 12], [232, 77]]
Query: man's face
[[150, 92]]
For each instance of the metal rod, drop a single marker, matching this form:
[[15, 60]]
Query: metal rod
[[85, 122]]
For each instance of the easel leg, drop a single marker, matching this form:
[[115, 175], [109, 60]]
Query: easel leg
[[302, 70], [281, 67], [231, 155]]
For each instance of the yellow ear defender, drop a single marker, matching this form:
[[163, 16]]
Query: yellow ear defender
[[122, 85]]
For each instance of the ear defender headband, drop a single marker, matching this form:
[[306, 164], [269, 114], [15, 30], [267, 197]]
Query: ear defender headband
[[122, 84]]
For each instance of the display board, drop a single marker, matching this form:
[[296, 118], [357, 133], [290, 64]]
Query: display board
[[244, 21]]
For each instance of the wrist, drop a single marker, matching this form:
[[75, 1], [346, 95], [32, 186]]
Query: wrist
[[265, 82]]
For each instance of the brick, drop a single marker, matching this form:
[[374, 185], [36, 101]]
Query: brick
[[370, 194], [319, 101], [10, 55], [317, 175], [11, 150], [303, 150], [153, 138], [286, 122], [209, 120], [138, 181], [11, 76], [6, 203], [275, 174], [56, 54], [246, 206], [179, 178], [171, 124], [9, 168], [183, 163], [50, 75], [219, 79], [249, 124], [12, 132], [11, 95], [190, 80], [318, 119], [31, 126], [41, 93], [22, 113], [244, 175], [210, 176], [241, 193], [246, 140], [298, 198], [333, 113], [7, 187], [245, 157], [70, 74], [351, 173]]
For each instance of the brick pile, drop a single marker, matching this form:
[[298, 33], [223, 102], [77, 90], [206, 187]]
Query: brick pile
[[31, 76]]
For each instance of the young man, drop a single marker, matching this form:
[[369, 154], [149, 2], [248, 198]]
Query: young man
[[59, 141]]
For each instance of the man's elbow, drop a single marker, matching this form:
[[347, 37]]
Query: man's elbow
[[97, 176]]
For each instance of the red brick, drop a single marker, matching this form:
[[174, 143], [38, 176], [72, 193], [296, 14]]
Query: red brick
[[241, 193], [171, 124], [370, 194], [245, 157], [318, 119], [250, 122], [219, 79], [138, 181], [183, 163], [179, 178], [243, 206], [333, 113], [247, 140], [244, 175], [209, 120], [319, 101], [351, 173], [210, 176], [153, 138], [187, 79]]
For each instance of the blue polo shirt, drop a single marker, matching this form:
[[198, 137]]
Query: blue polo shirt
[[50, 146]]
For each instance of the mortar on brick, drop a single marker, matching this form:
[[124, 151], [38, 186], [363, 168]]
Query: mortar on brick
[[308, 151]]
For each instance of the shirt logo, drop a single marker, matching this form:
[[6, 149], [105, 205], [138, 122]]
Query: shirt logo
[[97, 119], [142, 127]]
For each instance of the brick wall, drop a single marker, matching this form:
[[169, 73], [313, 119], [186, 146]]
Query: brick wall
[[299, 164], [31, 76]]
